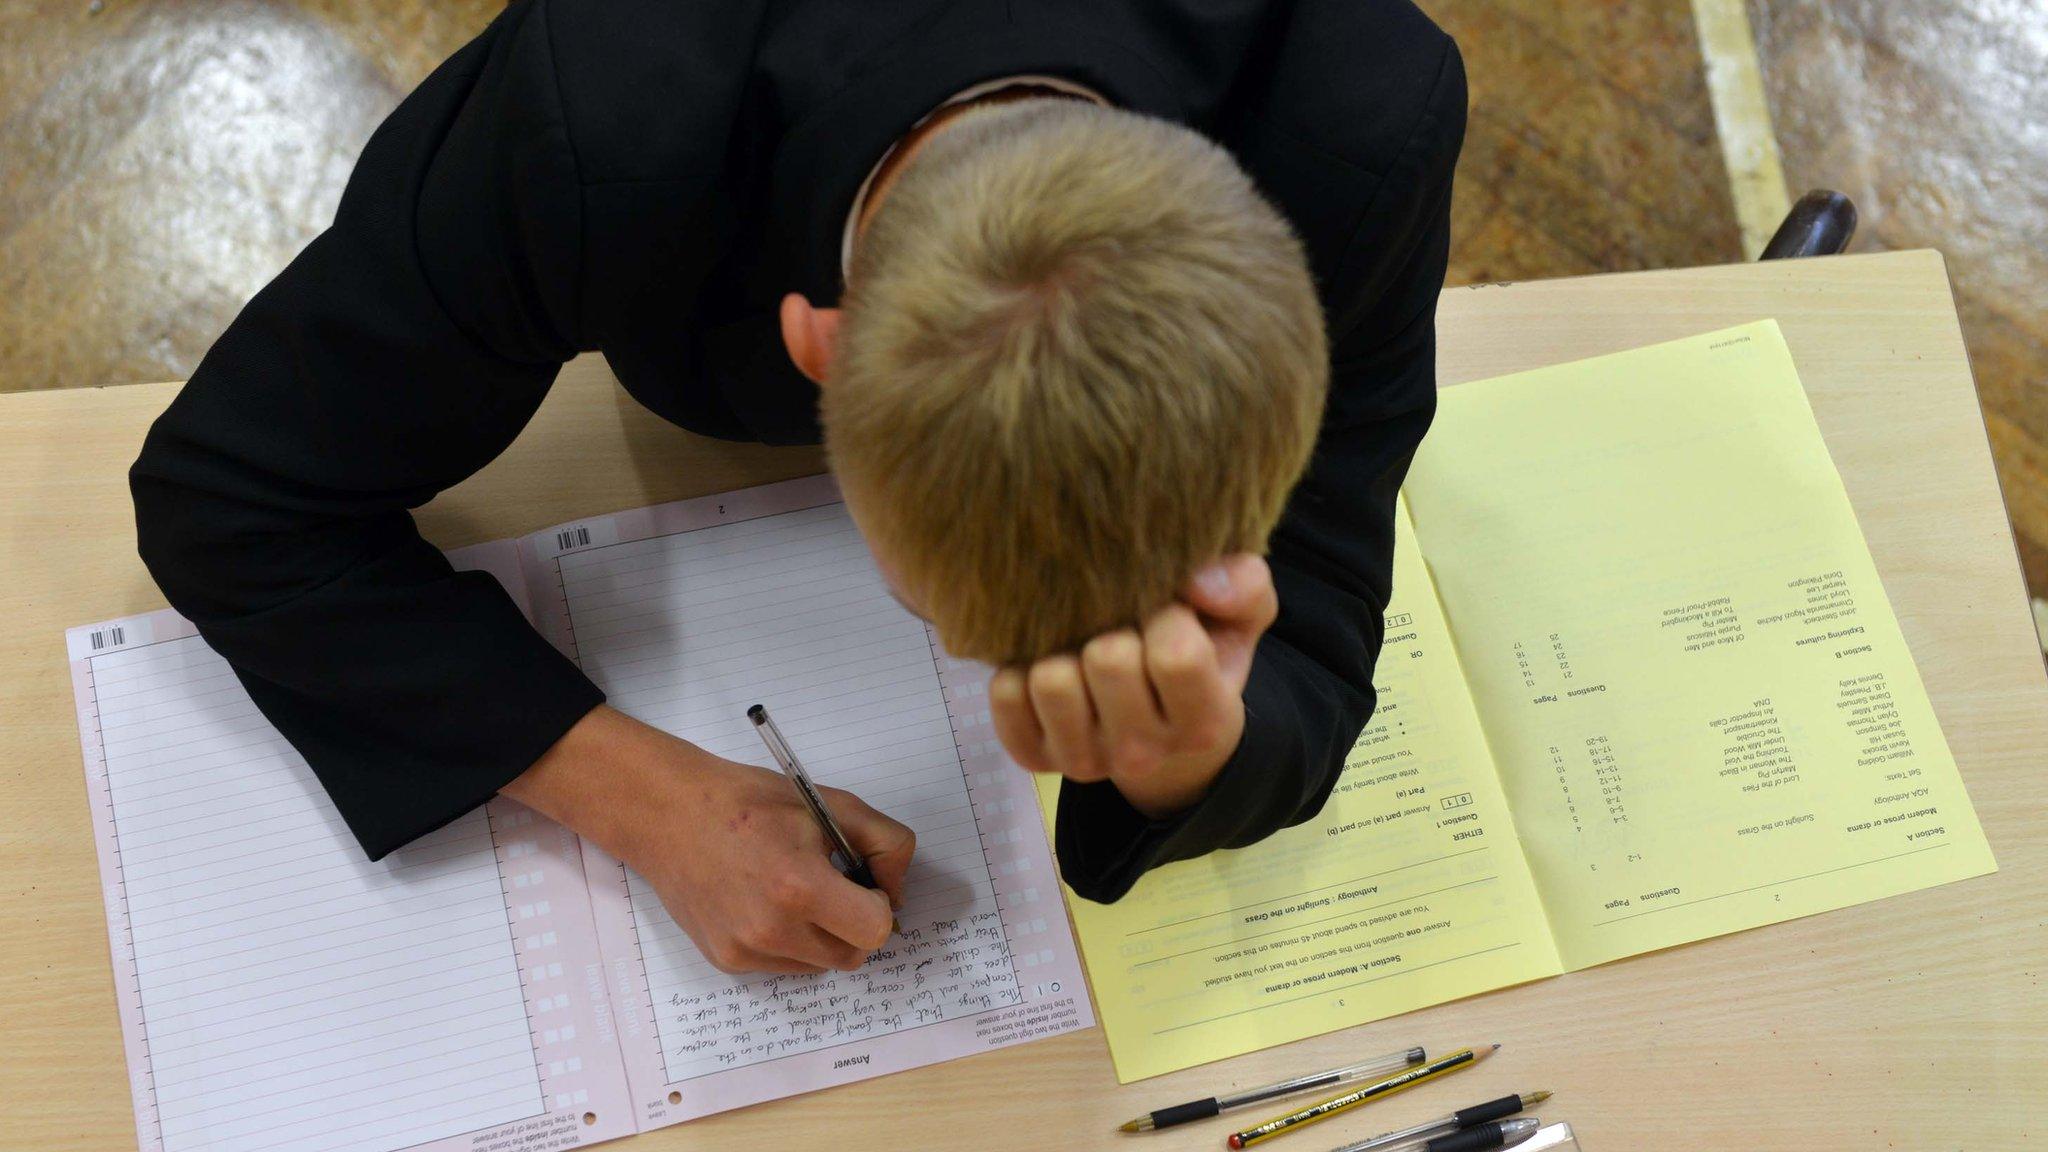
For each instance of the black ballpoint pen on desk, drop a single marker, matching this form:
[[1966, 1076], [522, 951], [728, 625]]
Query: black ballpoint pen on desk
[[1486, 1137], [1203, 1109], [856, 865], [1458, 1121]]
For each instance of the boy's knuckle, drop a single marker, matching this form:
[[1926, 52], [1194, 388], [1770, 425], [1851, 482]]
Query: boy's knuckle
[[1054, 678], [1176, 659], [770, 937], [1115, 654], [1134, 746], [1138, 756], [786, 890], [1007, 687]]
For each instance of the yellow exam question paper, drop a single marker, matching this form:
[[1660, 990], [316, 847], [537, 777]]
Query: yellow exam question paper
[[1646, 689]]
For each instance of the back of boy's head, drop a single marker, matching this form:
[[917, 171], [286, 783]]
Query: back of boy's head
[[1080, 358]]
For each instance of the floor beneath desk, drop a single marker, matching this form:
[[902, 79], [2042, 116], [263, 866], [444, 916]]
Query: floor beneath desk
[[1930, 114], [163, 158]]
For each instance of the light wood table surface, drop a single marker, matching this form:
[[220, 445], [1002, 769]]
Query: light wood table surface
[[1917, 1022]]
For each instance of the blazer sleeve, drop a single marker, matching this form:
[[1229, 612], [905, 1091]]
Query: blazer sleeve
[[1310, 692], [398, 354]]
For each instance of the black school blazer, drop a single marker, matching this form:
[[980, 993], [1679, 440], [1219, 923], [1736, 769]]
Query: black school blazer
[[645, 178]]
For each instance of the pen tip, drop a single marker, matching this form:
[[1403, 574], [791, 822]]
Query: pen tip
[[1128, 1126], [1496, 1048], [1534, 1098]]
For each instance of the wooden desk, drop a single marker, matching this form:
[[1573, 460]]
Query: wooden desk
[[1917, 1022]]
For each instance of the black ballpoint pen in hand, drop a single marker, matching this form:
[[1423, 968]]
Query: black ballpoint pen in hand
[[854, 864]]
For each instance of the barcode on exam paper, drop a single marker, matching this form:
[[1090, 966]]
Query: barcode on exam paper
[[108, 637], [577, 537]]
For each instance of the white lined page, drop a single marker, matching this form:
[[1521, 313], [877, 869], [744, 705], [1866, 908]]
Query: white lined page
[[480, 989], [685, 631], [290, 993]]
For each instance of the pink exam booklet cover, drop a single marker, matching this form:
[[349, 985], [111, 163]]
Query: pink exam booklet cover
[[499, 984]]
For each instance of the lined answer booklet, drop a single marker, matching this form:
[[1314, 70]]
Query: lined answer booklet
[[1640, 686], [499, 985]]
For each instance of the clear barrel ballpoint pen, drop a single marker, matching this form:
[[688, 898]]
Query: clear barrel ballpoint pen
[[856, 865], [1214, 1105]]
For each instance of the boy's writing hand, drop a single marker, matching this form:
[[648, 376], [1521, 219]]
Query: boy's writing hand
[[1157, 711], [729, 847]]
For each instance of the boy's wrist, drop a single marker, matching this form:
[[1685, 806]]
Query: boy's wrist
[[1180, 783], [599, 778]]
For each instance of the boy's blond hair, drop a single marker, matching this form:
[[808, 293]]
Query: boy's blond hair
[[1081, 357]]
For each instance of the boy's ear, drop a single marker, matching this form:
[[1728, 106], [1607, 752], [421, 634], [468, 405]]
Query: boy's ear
[[811, 335]]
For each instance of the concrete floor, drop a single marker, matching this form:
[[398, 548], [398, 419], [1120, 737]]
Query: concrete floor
[[161, 159]]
